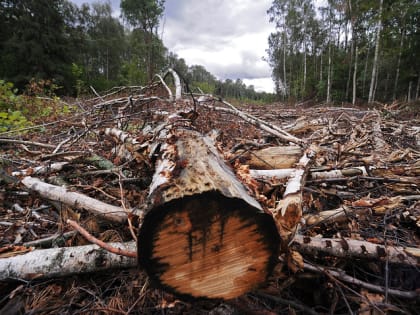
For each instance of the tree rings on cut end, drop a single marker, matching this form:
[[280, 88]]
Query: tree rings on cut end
[[208, 246]]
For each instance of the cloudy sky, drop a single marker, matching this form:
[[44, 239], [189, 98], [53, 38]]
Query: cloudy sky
[[228, 38]]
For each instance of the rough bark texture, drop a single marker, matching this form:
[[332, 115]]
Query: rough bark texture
[[204, 236]]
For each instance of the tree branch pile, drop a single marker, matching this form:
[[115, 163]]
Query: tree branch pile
[[340, 185]]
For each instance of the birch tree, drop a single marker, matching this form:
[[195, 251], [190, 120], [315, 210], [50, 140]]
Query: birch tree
[[373, 80]]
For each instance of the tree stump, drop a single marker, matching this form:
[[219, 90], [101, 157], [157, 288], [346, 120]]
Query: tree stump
[[204, 236]]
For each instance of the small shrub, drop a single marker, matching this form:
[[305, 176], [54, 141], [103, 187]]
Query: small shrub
[[11, 104]]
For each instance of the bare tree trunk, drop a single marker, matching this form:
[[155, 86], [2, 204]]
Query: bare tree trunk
[[355, 76], [352, 46], [365, 71], [320, 67], [304, 73], [350, 66], [373, 80], [329, 64], [329, 75], [304, 59], [284, 62], [397, 74], [418, 88], [410, 86]]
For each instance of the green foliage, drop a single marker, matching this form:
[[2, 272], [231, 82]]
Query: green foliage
[[11, 116], [77, 72], [305, 39], [33, 41]]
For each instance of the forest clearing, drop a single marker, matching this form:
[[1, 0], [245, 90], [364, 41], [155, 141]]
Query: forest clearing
[[209, 157], [340, 186]]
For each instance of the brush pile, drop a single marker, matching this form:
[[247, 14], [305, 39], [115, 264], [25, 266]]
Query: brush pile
[[341, 185]]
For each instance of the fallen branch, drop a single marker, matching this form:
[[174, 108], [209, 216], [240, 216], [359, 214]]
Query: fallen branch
[[276, 131], [341, 275], [76, 200], [41, 169], [177, 83], [64, 261], [94, 240], [355, 248], [37, 144]]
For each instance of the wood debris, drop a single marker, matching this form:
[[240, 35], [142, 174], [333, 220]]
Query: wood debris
[[341, 184]]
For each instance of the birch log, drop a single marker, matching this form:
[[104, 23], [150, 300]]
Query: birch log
[[357, 248], [64, 261], [204, 236], [76, 200]]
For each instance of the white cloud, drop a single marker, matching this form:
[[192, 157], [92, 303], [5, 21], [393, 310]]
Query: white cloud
[[261, 84], [229, 38]]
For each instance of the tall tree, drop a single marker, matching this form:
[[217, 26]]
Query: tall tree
[[373, 80], [33, 42], [144, 15]]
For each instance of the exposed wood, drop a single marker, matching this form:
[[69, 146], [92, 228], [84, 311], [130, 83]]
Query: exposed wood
[[288, 212], [76, 200], [64, 261], [204, 236], [278, 157]]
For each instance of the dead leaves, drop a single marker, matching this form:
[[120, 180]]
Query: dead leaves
[[13, 250]]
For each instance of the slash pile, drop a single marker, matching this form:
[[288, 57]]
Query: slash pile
[[342, 184]]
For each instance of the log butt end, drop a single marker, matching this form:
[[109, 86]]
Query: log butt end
[[208, 246]]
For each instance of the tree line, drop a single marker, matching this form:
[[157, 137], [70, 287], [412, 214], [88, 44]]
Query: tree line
[[346, 50], [86, 46]]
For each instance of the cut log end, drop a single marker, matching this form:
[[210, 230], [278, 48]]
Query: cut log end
[[208, 246]]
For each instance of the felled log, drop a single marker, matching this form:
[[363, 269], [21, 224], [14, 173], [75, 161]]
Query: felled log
[[76, 200], [274, 157], [356, 248], [203, 236], [64, 261]]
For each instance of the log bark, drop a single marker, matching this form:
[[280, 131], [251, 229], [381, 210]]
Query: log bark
[[64, 261], [204, 236]]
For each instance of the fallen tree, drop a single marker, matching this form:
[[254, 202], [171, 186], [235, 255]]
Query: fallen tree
[[204, 235]]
